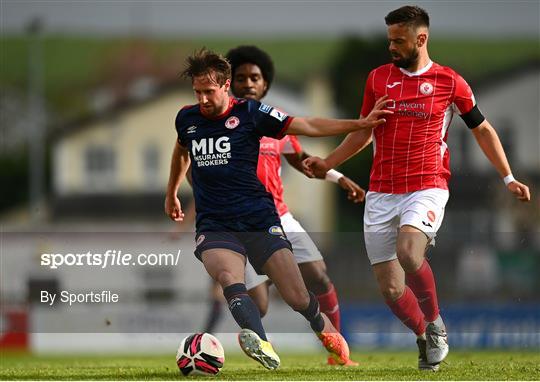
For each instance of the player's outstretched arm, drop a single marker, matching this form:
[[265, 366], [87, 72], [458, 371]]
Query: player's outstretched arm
[[315, 167], [355, 193], [179, 164], [323, 127], [351, 145], [489, 142], [295, 160]]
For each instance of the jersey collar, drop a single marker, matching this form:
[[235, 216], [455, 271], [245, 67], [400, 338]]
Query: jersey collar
[[418, 72]]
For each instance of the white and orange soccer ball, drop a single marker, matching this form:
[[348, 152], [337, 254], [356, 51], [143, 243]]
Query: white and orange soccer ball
[[200, 354]]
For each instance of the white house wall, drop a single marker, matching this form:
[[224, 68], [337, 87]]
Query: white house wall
[[128, 134]]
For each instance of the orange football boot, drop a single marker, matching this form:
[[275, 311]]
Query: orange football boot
[[335, 344], [332, 362]]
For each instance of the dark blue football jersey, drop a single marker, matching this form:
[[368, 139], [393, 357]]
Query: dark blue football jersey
[[224, 152]]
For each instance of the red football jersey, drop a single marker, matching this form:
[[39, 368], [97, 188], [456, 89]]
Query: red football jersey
[[410, 151], [269, 166]]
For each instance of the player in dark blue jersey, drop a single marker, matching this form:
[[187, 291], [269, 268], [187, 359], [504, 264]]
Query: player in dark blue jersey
[[236, 217]]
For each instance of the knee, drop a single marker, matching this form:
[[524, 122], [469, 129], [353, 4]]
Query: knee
[[319, 284], [392, 292], [226, 278], [408, 256], [315, 277]]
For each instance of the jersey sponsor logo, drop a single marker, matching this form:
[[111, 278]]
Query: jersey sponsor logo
[[207, 152], [265, 108], [278, 114], [267, 145], [426, 88], [269, 149], [412, 109], [393, 85], [232, 122], [431, 216], [275, 230], [191, 129], [200, 239]]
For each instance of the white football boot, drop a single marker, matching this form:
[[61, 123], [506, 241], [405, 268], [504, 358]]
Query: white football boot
[[437, 343]]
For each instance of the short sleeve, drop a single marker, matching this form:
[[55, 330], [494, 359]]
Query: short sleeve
[[182, 125], [290, 145], [178, 126], [464, 100], [269, 121], [369, 95]]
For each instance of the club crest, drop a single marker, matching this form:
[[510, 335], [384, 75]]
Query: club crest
[[426, 88], [232, 122]]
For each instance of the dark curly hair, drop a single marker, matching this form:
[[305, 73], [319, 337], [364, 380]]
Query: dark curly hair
[[248, 54], [410, 15]]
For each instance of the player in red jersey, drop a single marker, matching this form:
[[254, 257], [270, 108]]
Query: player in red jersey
[[408, 187], [252, 75]]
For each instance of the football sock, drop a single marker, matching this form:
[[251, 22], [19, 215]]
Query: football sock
[[213, 317], [313, 314], [422, 283], [329, 305], [245, 312], [406, 308]]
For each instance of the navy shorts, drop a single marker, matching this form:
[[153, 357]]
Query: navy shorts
[[256, 237]]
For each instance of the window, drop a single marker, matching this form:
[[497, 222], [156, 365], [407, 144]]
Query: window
[[100, 168], [151, 167]]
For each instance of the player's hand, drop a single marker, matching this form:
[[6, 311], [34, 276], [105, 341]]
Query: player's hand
[[376, 116], [520, 190], [315, 167], [173, 209], [355, 193]]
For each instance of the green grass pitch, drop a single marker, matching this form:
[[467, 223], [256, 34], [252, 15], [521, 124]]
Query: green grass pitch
[[473, 365]]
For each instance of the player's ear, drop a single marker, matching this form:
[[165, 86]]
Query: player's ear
[[421, 39], [227, 85]]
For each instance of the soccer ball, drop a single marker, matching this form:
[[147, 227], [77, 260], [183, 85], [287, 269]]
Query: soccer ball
[[200, 354]]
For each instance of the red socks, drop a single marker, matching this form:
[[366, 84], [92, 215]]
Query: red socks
[[407, 310], [422, 284], [329, 305]]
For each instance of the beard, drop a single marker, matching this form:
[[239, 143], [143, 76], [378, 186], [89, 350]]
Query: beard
[[406, 61]]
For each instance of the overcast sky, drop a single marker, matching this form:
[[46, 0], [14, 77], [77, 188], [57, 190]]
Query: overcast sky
[[272, 18]]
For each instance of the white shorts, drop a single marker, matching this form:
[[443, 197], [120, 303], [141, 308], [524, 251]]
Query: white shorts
[[304, 249], [386, 213]]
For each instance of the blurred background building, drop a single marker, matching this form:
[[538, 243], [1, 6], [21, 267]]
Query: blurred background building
[[89, 93]]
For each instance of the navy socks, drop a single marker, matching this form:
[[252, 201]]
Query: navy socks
[[245, 312], [313, 315]]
